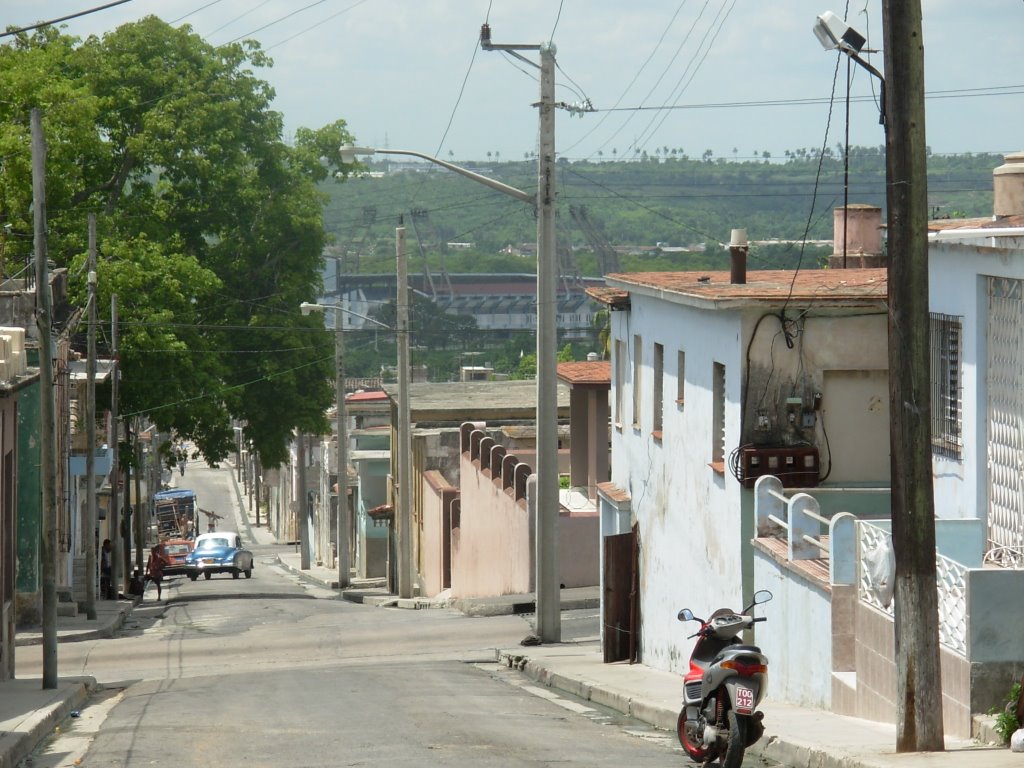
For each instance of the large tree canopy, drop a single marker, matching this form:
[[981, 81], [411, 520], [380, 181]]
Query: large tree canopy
[[210, 225]]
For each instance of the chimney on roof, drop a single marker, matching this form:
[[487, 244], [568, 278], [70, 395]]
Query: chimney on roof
[[856, 237], [1008, 186], [738, 257]]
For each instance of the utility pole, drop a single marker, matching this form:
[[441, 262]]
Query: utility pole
[[140, 519], [47, 440], [549, 617], [918, 672], [90, 434], [116, 576], [302, 515], [344, 567], [404, 447]]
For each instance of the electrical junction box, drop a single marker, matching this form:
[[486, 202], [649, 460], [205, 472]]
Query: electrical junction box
[[796, 466]]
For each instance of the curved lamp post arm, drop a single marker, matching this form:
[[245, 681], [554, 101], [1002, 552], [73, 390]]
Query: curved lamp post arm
[[349, 154]]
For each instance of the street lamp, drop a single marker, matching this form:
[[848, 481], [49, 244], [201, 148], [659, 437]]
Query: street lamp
[[547, 499], [834, 34], [344, 565]]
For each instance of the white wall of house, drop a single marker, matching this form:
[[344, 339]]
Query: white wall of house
[[957, 286], [688, 513]]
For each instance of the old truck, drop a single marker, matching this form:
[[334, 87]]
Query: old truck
[[175, 512]]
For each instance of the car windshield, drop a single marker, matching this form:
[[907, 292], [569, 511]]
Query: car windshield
[[212, 544], [176, 549]]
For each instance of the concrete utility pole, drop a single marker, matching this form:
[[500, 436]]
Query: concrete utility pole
[[302, 516], [549, 617], [344, 567], [116, 575], [918, 673], [90, 434], [48, 437], [404, 447]]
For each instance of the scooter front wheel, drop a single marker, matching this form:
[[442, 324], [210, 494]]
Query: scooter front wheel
[[691, 746]]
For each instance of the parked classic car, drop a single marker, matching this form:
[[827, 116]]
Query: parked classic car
[[177, 551], [219, 552]]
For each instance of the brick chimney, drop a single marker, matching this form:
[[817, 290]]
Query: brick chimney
[[1008, 186], [862, 226]]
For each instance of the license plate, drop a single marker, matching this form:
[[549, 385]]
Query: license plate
[[209, 561], [744, 700]]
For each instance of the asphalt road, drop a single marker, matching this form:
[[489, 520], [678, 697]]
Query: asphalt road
[[270, 671]]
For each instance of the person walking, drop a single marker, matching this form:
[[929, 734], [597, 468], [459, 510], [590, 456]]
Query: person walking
[[105, 570], [158, 560]]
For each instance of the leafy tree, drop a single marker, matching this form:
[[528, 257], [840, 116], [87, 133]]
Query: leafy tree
[[210, 226]]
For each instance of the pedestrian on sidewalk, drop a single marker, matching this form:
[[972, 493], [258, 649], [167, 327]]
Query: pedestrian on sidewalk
[[158, 560], [105, 570]]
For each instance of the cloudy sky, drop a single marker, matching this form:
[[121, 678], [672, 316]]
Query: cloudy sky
[[733, 76]]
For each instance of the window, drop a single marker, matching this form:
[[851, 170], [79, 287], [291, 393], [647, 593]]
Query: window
[[944, 335], [718, 417], [637, 368], [620, 380], [659, 387], [680, 377]]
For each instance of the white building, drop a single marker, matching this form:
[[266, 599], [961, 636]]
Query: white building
[[714, 383]]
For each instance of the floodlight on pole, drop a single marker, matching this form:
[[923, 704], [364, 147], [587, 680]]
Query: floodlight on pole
[[834, 34]]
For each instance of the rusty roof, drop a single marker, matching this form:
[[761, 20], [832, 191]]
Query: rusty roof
[[588, 372], [615, 298], [820, 287], [981, 222]]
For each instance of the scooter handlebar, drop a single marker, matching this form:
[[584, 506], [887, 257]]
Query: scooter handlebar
[[761, 618]]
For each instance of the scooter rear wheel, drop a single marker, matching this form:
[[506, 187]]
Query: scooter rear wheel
[[737, 741], [696, 752]]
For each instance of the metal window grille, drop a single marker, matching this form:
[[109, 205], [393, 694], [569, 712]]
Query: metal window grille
[[945, 334]]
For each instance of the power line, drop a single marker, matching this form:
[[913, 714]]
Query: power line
[[41, 24]]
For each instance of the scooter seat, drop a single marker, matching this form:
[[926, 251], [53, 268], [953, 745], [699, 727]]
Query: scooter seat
[[745, 648]]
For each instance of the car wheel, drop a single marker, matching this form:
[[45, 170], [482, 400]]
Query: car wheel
[[207, 575], [248, 573], [235, 574], [193, 576]]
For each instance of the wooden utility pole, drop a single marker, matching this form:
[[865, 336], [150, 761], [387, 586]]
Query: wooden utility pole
[[918, 677], [47, 407], [90, 434]]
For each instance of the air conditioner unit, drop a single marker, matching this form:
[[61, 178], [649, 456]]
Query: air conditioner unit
[[795, 466]]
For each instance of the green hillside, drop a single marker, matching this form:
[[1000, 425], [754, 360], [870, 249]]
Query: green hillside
[[667, 199]]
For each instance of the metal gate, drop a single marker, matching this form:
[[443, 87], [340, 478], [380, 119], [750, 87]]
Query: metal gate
[[1005, 384]]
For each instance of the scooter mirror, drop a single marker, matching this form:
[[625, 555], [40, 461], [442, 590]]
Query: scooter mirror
[[685, 615], [762, 596]]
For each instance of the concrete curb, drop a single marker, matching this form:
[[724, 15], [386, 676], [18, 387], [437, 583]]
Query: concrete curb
[[15, 746], [78, 636]]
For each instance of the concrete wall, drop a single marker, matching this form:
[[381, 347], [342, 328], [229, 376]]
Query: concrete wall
[[578, 544], [797, 638], [435, 532], [492, 550]]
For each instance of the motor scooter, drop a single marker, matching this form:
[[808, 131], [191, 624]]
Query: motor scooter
[[726, 682]]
